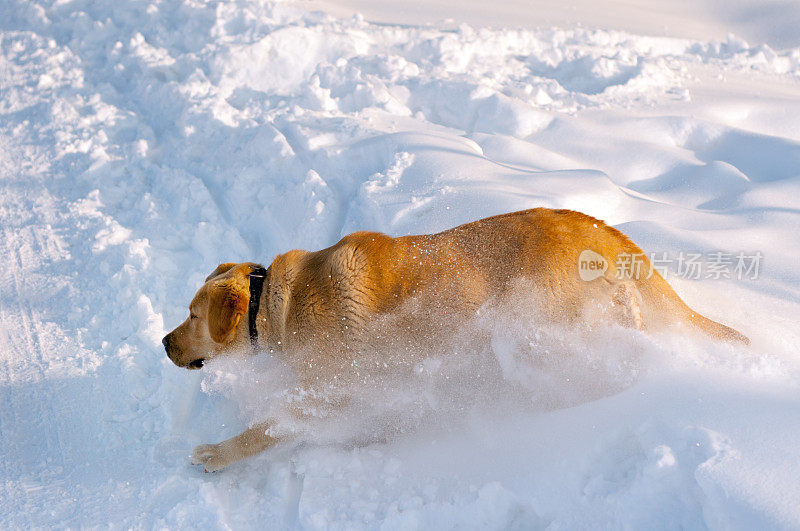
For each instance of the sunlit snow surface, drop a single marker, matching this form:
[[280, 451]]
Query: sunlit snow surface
[[142, 143]]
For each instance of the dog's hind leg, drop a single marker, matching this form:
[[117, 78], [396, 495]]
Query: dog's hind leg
[[626, 302], [218, 456]]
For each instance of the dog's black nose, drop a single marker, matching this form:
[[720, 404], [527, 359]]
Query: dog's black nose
[[165, 342]]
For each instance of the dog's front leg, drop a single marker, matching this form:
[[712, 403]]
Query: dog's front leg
[[218, 456]]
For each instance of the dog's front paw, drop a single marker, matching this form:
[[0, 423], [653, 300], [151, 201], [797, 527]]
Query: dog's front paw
[[213, 456]]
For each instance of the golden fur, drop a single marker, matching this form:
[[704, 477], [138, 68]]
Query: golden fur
[[321, 302]]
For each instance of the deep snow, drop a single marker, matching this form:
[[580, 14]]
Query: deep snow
[[142, 143], [774, 22]]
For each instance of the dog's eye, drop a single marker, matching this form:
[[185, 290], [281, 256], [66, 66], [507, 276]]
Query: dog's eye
[[192, 316]]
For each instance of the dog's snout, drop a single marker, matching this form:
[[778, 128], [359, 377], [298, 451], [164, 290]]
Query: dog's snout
[[165, 342]]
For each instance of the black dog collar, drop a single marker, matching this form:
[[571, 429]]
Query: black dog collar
[[257, 277]]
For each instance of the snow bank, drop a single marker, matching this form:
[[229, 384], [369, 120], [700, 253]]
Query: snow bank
[[141, 144]]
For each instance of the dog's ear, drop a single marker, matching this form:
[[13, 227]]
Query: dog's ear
[[222, 268], [227, 301]]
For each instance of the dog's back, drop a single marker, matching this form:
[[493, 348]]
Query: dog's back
[[454, 272]]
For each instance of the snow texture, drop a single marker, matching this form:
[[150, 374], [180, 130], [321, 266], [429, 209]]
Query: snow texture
[[142, 143]]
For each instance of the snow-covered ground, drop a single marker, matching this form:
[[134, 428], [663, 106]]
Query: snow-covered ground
[[774, 22], [141, 143]]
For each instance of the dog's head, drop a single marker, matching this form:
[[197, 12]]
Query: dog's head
[[215, 324]]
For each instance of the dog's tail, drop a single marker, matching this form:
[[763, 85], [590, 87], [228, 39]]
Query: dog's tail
[[715, 329], [659, 293]]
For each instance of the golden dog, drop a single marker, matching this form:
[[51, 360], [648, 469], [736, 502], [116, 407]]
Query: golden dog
[[318, 304]]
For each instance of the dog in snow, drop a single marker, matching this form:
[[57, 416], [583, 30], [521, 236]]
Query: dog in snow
[[312, 308]]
